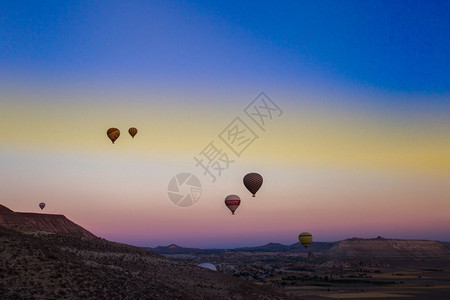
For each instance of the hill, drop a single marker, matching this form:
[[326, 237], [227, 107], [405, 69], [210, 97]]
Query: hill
[[446, 245], [44, 265], [388, 251], [270, 247], [297, 247], [175, 249], [34, 222]]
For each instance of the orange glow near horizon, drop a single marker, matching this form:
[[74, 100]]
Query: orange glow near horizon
[[335, 174]]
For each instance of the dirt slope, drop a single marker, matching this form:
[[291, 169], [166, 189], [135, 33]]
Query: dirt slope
[[50, 257], [31, 222]]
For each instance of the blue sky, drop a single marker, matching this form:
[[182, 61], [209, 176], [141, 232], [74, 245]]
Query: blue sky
[[399, 46]]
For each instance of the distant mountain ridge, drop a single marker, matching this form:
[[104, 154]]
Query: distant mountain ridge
[[350, 249], [270, 247], [175, 249], [38, 222], [297, 247]]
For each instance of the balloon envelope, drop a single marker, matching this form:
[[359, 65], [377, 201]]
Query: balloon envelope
[[42, 205], [305, 239], [132, 131], [253, 182], [113, 134], [232, 202]]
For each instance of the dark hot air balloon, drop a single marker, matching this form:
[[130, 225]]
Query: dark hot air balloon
[[253, 182], [232, 202], [132, 131], [42, 205], [305, 238], [113, 134]]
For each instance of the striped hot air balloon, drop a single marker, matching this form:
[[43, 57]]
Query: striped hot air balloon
[[113, 134], [132, 131], [232, 202], [253, 182], [305, 239]]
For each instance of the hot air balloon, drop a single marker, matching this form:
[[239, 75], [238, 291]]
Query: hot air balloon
[[232, 202], [305, 238], [253, 182], [113, 134], [132, 131], [42, 205]]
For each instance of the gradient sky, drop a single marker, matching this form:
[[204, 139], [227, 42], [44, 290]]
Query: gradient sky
[[362, 148]]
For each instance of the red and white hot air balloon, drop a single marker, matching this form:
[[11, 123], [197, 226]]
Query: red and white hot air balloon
[[232, 202], [253, 182]]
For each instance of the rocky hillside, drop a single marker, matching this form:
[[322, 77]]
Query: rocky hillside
[[38, 264], [446, 245], [34, 222], [390, 251]]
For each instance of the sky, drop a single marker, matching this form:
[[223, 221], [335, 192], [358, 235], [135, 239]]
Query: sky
[[355, 140]]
